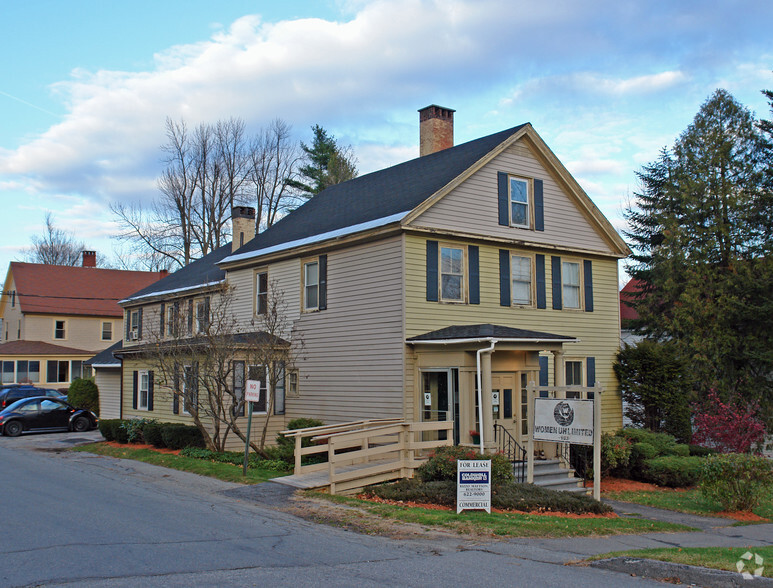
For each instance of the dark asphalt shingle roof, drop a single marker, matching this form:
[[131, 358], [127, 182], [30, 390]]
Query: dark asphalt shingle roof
[[23, 347], [106, 357], [200, 272], [487, 330]]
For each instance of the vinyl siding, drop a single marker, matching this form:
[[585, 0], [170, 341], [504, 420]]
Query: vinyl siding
[[108, 381], [351, 365], [80, 332], [472, 206], [598, 331]]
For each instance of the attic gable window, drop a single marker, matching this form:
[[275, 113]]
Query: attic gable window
[[519, 202]]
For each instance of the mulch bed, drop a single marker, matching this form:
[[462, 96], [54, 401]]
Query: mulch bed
[[142, 446]]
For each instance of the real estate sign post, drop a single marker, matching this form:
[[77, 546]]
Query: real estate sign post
[[251, 394], [473, 484]]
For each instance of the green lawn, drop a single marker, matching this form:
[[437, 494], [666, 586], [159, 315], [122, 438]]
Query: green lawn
[[222, 471], [509, 524], [689, 501], [718, 558]]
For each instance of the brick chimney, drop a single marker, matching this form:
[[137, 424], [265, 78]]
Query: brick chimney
[[436, 129], [242, 225], [89, 258]]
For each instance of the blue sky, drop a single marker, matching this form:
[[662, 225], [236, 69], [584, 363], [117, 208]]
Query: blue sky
[[85, 85]]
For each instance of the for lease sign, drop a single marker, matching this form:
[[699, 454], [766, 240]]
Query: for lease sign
[[473, 484]]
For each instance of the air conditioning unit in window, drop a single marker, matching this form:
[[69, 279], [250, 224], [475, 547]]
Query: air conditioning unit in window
[[134, 336]]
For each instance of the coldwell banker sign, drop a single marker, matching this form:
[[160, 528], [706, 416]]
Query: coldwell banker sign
[[563, 420], [473, 484]]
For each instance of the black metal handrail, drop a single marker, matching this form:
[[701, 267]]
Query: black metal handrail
[[577, 457], [508, 446]]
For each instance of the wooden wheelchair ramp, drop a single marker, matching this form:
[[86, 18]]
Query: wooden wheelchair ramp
[[344, 458]]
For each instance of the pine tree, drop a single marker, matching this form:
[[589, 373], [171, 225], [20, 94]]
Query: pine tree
[[327, 163]]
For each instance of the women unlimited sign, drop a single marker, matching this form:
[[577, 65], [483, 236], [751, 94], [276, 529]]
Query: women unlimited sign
[[563, 420]]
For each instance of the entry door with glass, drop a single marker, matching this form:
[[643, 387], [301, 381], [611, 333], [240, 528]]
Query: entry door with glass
[[439, 400], [503, 402]]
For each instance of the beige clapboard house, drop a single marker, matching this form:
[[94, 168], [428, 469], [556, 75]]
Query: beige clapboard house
[[405, 284]]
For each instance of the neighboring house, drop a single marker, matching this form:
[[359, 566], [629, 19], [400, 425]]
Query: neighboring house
[[56, 317], [406, 283], [106, 368], [628, 313]]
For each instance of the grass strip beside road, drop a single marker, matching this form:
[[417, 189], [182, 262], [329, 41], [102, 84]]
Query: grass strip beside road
[[688, 501], [222, 471], [718, 558], [479, 522]]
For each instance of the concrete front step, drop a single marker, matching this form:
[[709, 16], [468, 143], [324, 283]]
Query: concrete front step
[[551, 474]]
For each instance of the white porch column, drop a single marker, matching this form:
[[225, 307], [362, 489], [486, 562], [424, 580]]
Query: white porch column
[[558, 372], [487, 426]]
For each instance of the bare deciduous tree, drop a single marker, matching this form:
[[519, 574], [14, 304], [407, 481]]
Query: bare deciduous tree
[[55, 246]]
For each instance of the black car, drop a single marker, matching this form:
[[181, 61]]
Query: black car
[[45, 414], [10, 394]]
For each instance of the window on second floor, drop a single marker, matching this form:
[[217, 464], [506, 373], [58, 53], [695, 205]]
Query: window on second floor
[[520, 275], [202, 315], [261, 293], [107, 330], [60, 329], [311, 285], [452, 274], [570, 284], [520, 215]]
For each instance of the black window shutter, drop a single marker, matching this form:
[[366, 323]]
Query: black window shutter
[[503, 199], [162, 322], [588, 270], [507, 402], [322, 301], [206, 311], [504, 277], [539, 207], [150, 390], [432, 269], [474, 267], [556, 274], [176, 391], [543, 375], [190, 316], [139, 320], [128, 323], [590, 364], [176, 319], [135, 382], [539, 260]]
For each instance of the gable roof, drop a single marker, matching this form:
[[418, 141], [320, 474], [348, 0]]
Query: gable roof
[[106, 358], [197, 274], [67, 290], [386, 195], [627, 297]]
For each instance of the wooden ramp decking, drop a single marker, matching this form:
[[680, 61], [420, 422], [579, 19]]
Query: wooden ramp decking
[[362, 453]]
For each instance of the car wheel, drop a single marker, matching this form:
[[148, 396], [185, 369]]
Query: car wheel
[[81, 424], [12, 429]]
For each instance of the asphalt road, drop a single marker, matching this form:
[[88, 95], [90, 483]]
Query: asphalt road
[[74, 518]]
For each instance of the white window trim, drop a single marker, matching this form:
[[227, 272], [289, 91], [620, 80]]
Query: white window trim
[[134, 324], [304, 265], [102, 331], [64, 329], [256, 298], [581, 285], [140, 375], [529, 202], [463, 249], [532, 293]]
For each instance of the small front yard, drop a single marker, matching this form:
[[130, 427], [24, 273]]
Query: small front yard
[[222, 471]]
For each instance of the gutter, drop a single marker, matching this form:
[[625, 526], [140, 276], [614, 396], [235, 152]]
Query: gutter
[[488, 340], [493, 343]]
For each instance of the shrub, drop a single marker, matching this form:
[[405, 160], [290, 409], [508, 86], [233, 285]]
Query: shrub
[[134, 429], [177, 436], [701, 451], [673, 471], [505, 495], [235, 458], [84, 393], [151, 432], [662, 442], [442, 464], [615, 453], [681, 449], [121, 434], [732, 427], [107, 428], [736, 481], [285, 446]]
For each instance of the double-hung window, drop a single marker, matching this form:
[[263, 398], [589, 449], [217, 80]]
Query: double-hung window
[[172, 319], [59, 330], [570, 284], [107, 330], [190, 390], [311, 285], [573, 372], [261, 293], [520, 215], [520, 274], [143, 392], [202, 315], [452, 274]]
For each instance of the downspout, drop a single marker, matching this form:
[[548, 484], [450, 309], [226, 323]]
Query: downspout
[[480, 388]]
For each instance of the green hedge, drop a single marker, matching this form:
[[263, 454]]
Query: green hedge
[[506, 495], [737, 481], [151, 433], [442, 465], [284, 449], [178, 436], [236, 458], [673, 471], [107, 428]]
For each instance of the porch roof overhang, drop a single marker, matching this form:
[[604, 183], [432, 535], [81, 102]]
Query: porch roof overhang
[[469, 334]]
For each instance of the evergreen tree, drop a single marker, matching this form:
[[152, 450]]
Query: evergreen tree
[[700, 230], [327, 163]]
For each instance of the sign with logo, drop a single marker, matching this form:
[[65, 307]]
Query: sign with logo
[[563, 420], [428, 399], [252, 391], [473, 484], [495, 398]]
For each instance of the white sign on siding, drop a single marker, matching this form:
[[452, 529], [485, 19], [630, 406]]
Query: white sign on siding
[[563, 420]]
